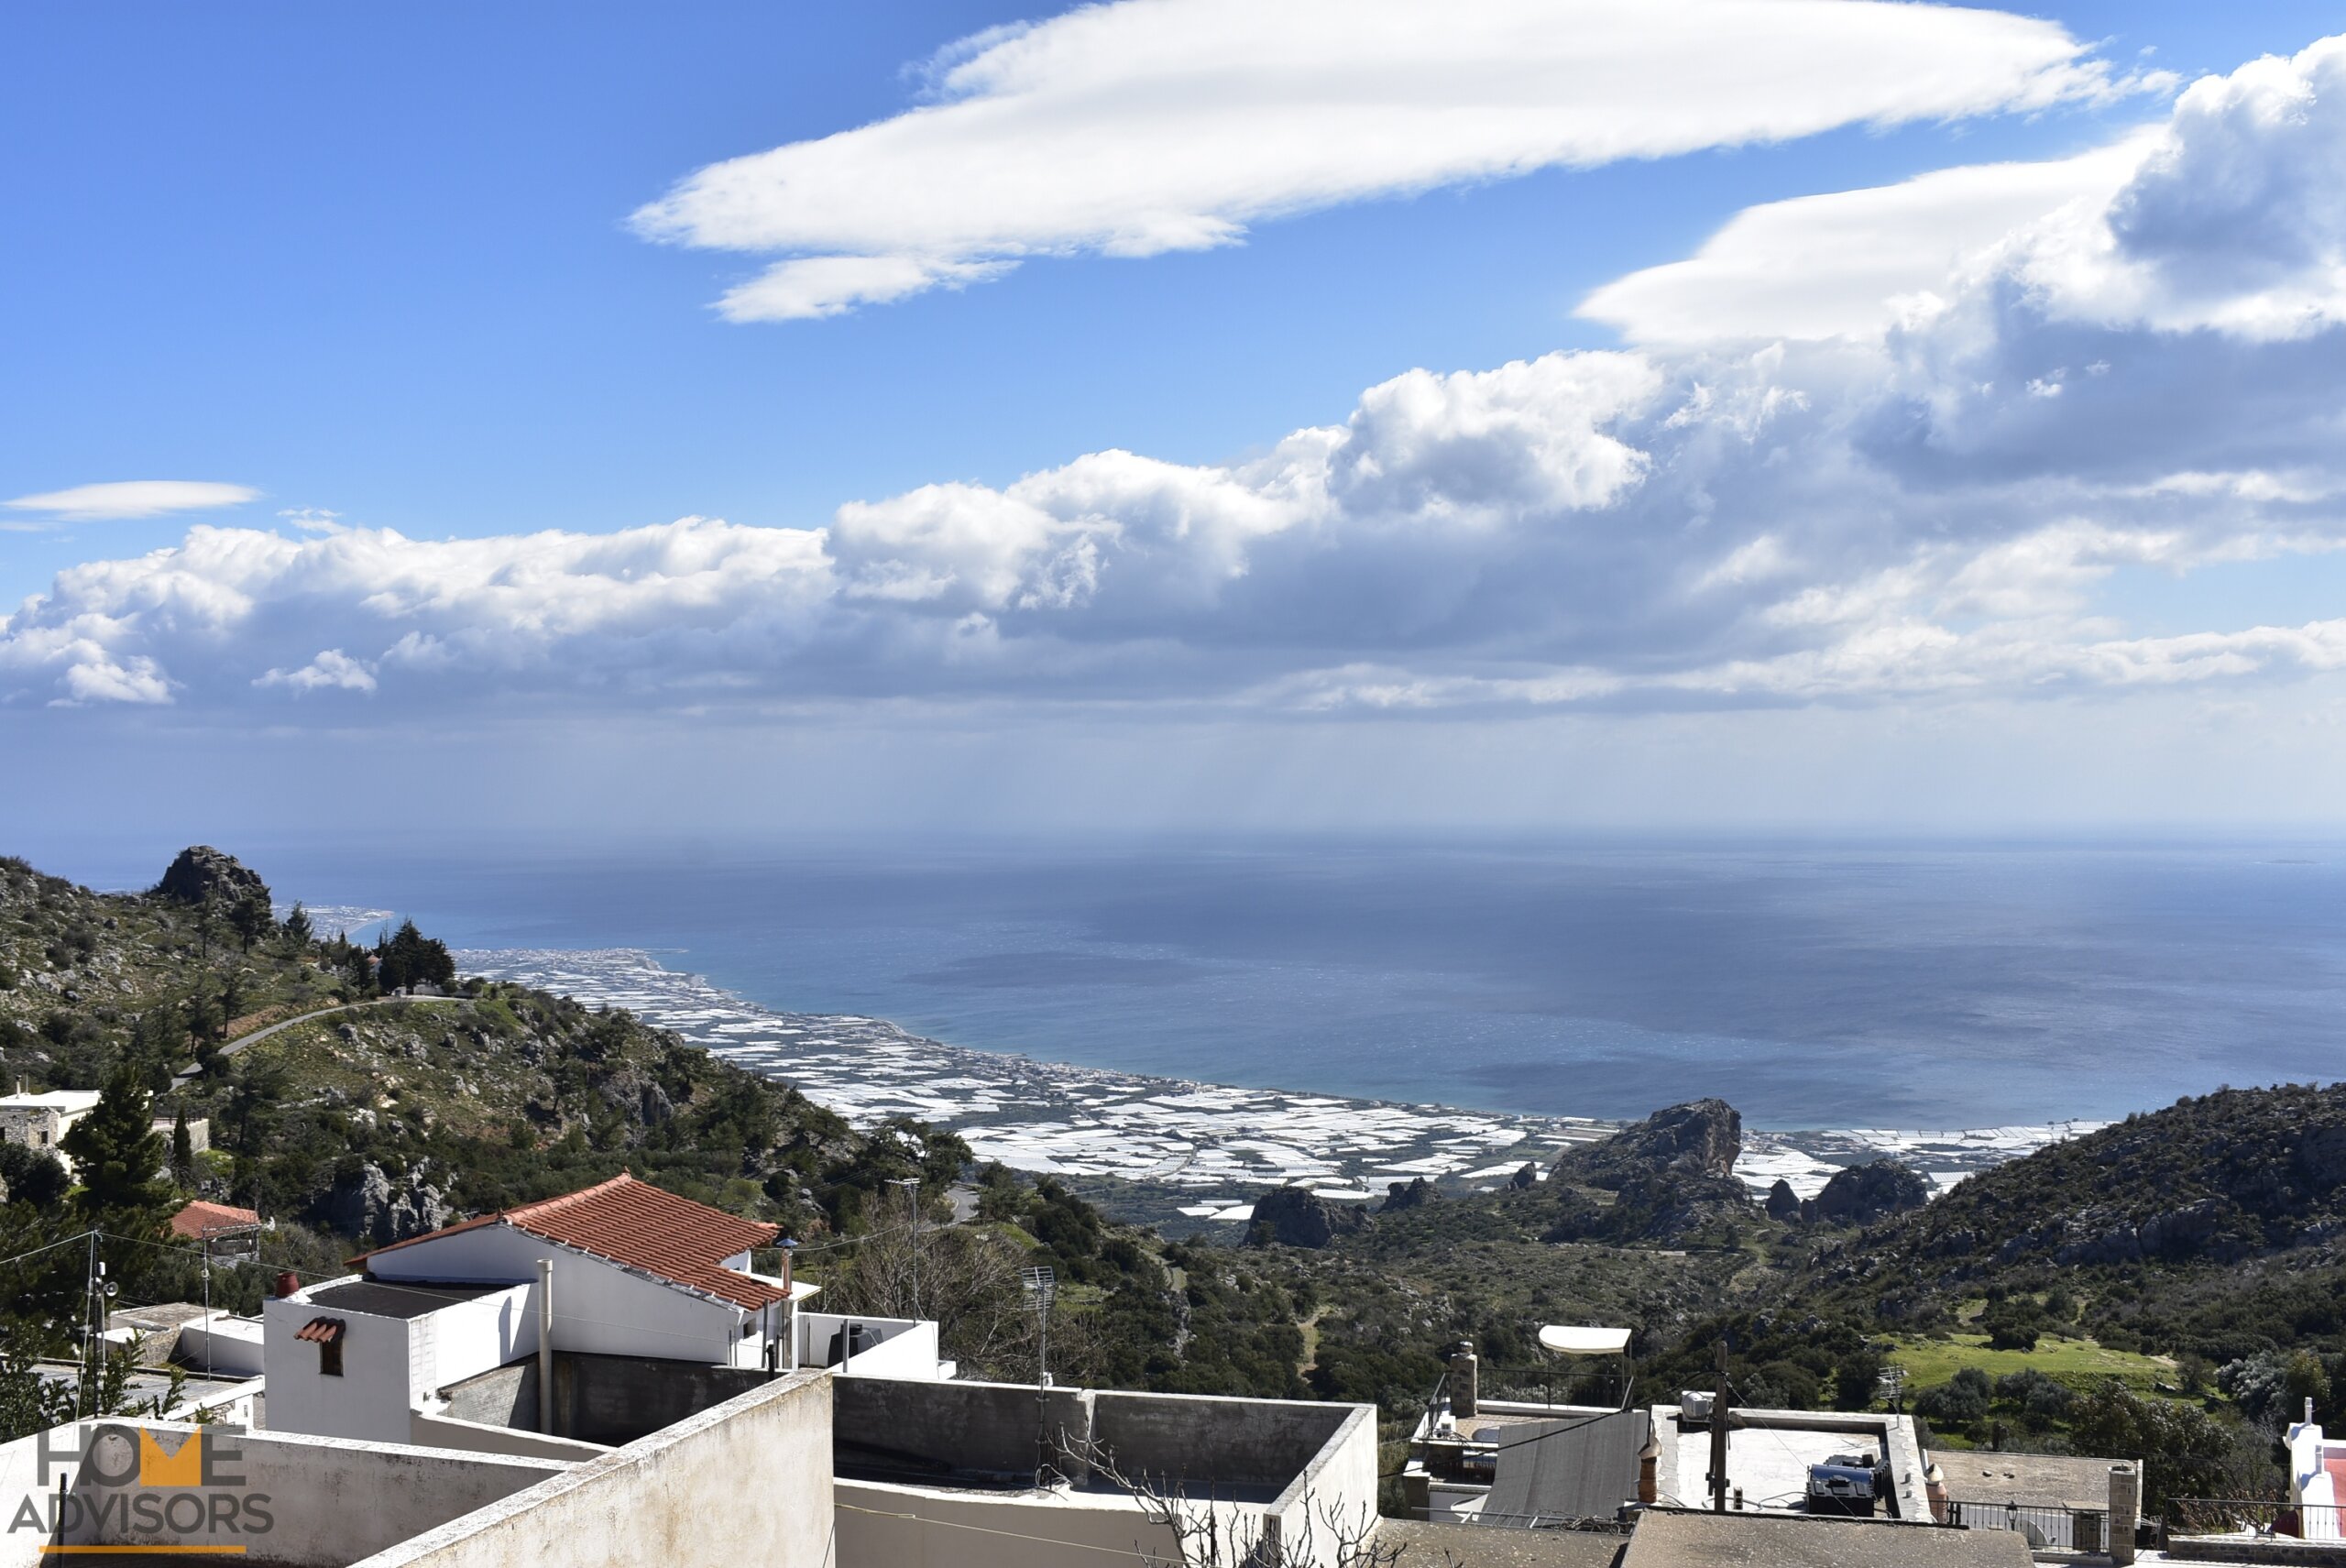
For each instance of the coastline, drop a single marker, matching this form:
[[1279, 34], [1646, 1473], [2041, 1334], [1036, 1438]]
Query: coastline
[[1191, 1154]]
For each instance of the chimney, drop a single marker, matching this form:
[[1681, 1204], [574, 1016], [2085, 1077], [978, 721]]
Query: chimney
[[1463, 1378], [2125, 1505], [287, 1284], [1935, 1488], [1649, 1457]]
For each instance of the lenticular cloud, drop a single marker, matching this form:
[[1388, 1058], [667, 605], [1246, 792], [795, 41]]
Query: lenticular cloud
[[1152, 126]]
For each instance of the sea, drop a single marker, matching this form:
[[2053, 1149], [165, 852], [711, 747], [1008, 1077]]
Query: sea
[[1879, 985]]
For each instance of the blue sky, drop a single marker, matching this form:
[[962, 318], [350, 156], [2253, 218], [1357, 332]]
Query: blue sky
[[392, 265]]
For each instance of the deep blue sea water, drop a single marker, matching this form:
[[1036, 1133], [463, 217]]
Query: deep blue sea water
[[1919, 986]]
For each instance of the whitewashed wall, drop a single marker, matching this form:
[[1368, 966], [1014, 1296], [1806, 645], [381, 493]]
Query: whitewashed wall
[[466, 1338], [368, 1402], [599, 1308]]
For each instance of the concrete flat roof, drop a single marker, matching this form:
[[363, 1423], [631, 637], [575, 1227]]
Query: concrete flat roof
[[1769, 1464], [51, 1099], [2032, 1480], [1486, 1547], [1672, 1539], [379, 1300]]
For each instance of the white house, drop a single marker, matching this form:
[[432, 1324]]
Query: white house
[[637, 1271], [634, 1270]]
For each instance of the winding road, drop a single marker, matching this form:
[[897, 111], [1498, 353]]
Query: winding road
[[243, 1042]]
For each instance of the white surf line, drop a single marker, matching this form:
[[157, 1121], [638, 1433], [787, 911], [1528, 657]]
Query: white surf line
[[1226, 1142]]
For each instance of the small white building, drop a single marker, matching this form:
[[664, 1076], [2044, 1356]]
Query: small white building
[[41, 1121], [633, 1271], [2317, 1479]]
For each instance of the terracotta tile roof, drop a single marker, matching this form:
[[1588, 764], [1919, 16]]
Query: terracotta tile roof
[[636, 1225], [199, 1216], [322, 1331]]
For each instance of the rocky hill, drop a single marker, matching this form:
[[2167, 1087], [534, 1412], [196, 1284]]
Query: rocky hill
[[381, 1117], [2214, 1227]]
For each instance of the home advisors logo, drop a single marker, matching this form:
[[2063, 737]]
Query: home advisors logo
[[131, 1490]]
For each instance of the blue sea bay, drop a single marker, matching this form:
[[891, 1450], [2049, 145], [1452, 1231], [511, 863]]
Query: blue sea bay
[[1932, 985]]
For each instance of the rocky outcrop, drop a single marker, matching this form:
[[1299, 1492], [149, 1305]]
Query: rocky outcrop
[[1701, 1137], [2210, 1227], [202, 874], [1292, 1216], [1672, 1174], [1863, 1194], [368, 1204], [1526, 1179], [1782, 1203], [1399, 1195]]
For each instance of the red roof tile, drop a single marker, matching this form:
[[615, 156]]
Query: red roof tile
[[201, 1216], [322, 1331], [639, 1226]]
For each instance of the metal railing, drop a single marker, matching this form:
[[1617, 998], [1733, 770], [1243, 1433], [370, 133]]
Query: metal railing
[[2046, 1528], [2252, 1518]]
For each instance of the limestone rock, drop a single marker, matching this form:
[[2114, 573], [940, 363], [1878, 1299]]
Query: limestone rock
[[1701, 1137], [202, 874], [1783, 1203], [1401, 1195], [369, 1204], [1526, 1179], [1292, 1216], [1862, 1195]]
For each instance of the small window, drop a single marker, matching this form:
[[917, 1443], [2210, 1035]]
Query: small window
[[330, 1359]]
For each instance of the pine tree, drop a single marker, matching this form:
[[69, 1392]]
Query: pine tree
[[297, 927], [115, 1148], [409, 958], [252, 917]]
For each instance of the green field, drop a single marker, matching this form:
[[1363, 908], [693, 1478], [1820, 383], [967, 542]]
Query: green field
[[2073, 1361]]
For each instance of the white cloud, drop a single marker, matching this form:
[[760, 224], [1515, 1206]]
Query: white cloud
[[1152, 126], [1881, 512], [1855, 262], [331, 670], [125, 499]]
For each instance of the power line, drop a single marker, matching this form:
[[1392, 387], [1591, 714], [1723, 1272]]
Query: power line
[[69, 1241]]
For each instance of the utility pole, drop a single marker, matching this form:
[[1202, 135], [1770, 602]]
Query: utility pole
[[1718, 1434], [1042, 1287], [911, 1184], [90, 1330]]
